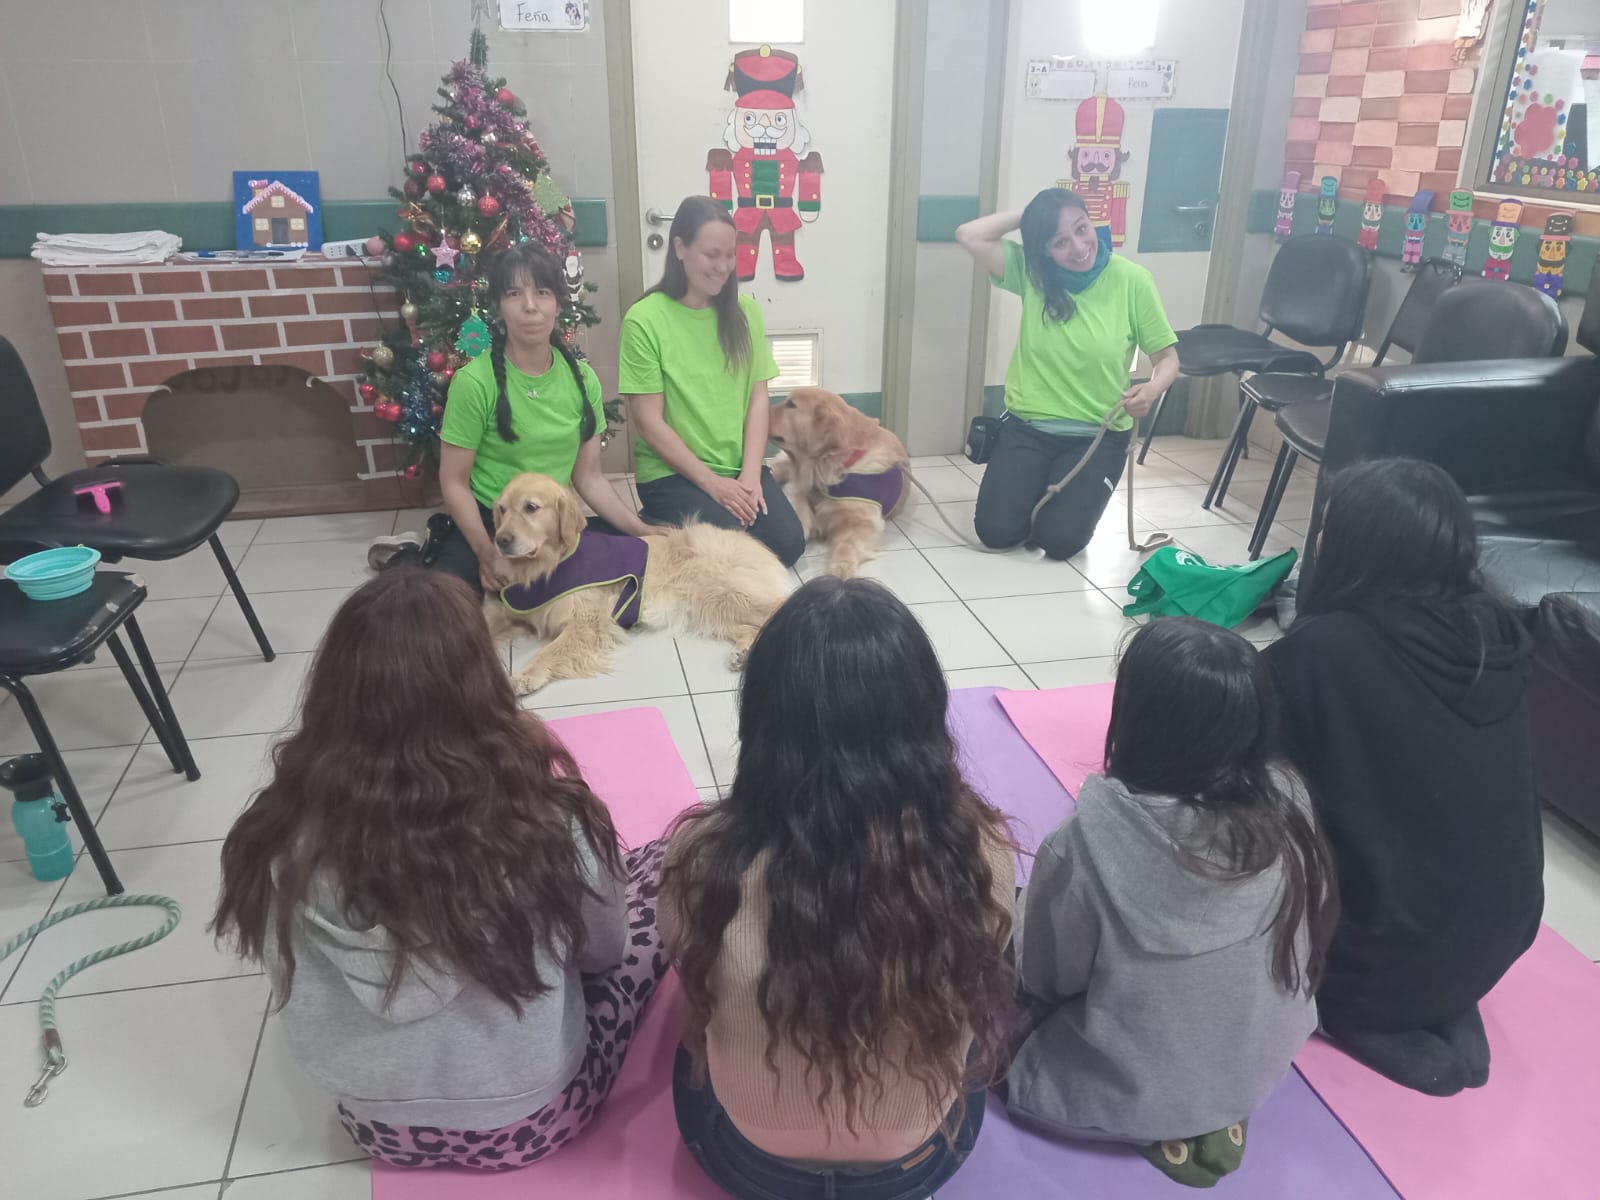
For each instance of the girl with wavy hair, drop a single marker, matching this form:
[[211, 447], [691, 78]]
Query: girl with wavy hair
[[839, 921], [457, 947]]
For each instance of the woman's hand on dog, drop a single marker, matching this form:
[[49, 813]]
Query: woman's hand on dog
[[494, 573], [734, 496]]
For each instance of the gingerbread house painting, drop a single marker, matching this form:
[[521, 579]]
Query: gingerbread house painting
[[277, 210]]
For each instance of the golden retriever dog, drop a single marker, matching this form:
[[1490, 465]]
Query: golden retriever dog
[[697, 579], [843, 472]]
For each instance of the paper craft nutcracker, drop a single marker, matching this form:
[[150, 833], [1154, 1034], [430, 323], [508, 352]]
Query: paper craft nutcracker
[[1553, 253], [1502, 239], [1327, 204], [1458, 228], [1097, 159], [1284, 225], [1416, 230], [1371, 215], [761, 176]]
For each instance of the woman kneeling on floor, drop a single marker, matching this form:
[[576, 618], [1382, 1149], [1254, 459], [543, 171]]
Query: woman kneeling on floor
[[437, 896], [839, 921], [1404, 684], [1173, 930]]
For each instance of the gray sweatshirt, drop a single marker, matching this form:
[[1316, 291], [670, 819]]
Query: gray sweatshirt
[[1161, 1018], [444, 1051]]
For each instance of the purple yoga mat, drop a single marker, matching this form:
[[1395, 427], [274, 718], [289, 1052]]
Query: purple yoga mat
[[1296, 1151], [1005, 770]]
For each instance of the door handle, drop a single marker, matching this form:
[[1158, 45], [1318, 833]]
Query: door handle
[[654, 216], [1203, 207]]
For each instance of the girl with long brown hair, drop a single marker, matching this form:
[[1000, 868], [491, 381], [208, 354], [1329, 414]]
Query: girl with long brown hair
[[436, 894], [839, 922]]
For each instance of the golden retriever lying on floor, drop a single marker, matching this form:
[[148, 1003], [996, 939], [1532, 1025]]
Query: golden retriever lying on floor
[[700, 579], [843, 472]]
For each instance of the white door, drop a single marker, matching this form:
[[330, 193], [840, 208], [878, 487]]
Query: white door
[[814, 199]]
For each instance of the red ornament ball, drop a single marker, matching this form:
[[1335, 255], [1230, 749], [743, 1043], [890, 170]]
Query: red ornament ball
[[413, 470], [388, 412], [488, 206], [367, 392], [506, 96], [437, 361], [419, 168], [436, 184], [404, 243], [374, 246], [436, 411], [474, 122], [412, 189]]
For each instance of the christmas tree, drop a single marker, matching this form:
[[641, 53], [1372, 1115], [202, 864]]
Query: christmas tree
[[477, 184]]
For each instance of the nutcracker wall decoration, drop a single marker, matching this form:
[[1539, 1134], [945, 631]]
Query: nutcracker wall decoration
[[1416, 230], [1097, 158], [1327, 205], [1371, 215], [1502, 240], [760, 175], [1458, 228], [1284, 225], [1553, 253]]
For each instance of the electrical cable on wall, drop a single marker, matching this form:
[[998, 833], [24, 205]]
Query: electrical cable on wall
[[388, 57]]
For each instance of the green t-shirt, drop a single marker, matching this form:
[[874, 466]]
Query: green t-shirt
[[1077, 369], [672, 349], [546, 412]]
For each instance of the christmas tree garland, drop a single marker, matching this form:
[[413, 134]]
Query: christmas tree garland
[[477, 184]]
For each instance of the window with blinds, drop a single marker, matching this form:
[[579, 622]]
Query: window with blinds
[[796, 356]]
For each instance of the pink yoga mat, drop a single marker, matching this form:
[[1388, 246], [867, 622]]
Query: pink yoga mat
[[632, 1149], [1065, 726], [1530, 1132]]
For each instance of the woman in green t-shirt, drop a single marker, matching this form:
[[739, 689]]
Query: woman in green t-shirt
[[694, 365], [1084, 312], [527, 405]]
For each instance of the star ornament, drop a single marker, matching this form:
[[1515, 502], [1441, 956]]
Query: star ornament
[[445, 255]]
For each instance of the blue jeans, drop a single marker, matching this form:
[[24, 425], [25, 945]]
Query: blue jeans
[[672, 500], [749, 1173]]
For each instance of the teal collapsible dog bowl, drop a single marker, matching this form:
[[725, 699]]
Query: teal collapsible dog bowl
[[55, 574]]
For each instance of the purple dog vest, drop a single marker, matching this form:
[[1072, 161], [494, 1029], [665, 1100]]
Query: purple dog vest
[[598, 560], [883, 488]]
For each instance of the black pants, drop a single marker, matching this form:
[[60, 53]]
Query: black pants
[[1439, 1061], [748, 1173], [454, 555], [672, 499], [1023, 464]]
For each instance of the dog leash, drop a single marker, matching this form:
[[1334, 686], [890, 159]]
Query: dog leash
[[55, 1058], [1050, 493]]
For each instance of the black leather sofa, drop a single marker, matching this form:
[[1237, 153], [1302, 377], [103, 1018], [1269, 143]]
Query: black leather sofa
[[1522, 437]]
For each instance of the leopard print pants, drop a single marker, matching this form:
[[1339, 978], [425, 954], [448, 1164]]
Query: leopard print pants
[[615, 1001]]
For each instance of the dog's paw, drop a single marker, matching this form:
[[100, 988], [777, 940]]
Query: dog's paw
[[528, 682]]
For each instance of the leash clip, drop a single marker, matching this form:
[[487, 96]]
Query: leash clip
[[40, 1091]]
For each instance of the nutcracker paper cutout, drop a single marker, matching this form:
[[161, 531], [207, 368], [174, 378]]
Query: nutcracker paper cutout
[[1284, 225], [1458, 228], [1502, 240], [761, 177], [1416, 230], [1097, 159], [1371, 215], [1327, 204], [1553, 253]]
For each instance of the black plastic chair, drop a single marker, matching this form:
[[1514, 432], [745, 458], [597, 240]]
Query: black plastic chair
[[163, 511], [41, 637], [1316, 293], [1473, 322]]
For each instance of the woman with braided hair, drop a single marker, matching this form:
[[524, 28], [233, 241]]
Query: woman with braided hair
[[527, 405]]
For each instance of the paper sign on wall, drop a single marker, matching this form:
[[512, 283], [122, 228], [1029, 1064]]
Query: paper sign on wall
[[1141, 81], [566, 16], [1060, 79], [1078, 78]]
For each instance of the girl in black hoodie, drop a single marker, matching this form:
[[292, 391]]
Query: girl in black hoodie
[[1403, 685]]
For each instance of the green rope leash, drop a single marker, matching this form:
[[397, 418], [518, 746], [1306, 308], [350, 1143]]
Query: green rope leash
[[55, 1058]]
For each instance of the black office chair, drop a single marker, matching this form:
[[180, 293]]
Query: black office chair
[[163, 511], [1472, 322], [41, 637]]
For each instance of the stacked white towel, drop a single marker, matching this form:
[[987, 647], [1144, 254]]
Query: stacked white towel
[[93, 249]]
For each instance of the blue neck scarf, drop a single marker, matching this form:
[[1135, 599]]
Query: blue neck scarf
[[1077, 281]]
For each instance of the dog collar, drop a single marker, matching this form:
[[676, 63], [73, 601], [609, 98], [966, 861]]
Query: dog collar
[[855, 457]]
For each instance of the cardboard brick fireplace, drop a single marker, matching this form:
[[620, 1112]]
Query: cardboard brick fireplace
[[126, 331]]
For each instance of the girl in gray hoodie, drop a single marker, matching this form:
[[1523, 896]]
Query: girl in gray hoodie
[[1172, 935]]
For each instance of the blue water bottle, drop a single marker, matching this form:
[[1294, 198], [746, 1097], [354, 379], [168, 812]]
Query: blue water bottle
[[39, 815]]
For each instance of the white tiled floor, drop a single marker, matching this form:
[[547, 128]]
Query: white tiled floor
[[179, 1085]]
